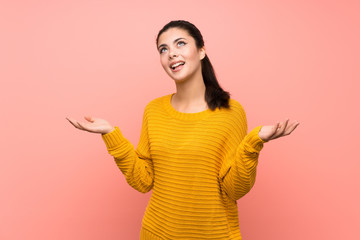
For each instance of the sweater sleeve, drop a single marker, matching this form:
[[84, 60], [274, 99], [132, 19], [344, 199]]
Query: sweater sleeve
[[136, 165], [238, 171]]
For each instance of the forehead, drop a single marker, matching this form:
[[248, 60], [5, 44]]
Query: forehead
[[171, 34]]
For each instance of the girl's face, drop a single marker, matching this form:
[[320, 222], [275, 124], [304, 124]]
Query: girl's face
[[179, 56]]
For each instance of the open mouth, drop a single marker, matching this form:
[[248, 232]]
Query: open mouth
[[177, 65]]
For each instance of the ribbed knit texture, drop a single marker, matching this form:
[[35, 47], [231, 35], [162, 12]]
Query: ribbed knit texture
[[197, 164]]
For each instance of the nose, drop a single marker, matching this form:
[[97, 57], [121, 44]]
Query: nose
[[173, 53]]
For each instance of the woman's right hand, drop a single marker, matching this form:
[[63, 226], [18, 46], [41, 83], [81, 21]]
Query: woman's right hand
[[94, 125]]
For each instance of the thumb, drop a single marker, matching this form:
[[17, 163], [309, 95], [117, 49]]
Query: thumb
[[89, 119]]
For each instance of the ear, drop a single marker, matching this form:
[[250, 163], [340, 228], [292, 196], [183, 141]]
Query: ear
[[202, 53]]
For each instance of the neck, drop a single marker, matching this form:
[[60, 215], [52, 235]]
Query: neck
[[190, 95], [190, 90]]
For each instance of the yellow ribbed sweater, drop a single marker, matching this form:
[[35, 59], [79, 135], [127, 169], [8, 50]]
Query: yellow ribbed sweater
[[197, 165]]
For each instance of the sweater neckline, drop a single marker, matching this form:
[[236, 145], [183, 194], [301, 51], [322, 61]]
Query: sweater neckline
[[181, 115]]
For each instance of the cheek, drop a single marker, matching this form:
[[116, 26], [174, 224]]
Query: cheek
[[193, 55], [163, 62]]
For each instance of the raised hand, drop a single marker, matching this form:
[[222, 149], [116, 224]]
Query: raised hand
[[94, 125], [280, 129]]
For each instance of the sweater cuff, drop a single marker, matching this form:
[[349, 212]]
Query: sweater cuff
[[254, 140], [113, 139]]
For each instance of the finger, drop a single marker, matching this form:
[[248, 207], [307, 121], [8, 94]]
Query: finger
[[69, 119], [279, 126], [283, 127], [278, 130], [273, 130], [73, 122], [291, 128], [83, 126]]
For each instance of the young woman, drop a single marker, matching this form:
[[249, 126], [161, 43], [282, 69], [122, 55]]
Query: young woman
[[194, 151]]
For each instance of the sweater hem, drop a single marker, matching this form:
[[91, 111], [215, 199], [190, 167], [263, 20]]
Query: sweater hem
[[147, 235]]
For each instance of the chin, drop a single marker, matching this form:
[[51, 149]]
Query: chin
[[179, 79], [183, 77], [176, 78]]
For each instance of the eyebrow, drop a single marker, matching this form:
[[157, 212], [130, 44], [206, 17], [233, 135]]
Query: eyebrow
[[163, 45]]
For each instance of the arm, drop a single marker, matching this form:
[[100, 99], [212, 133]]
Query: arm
[[136, 165], [238, 172]]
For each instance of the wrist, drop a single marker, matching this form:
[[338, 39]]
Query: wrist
[[108, 131], [261, 135]]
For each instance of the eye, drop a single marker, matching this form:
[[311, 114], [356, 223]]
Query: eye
[[181, 43], [162, 50]]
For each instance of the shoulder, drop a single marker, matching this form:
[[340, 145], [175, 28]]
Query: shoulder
[[157, 103], [232, 119], [235, 105], [234, 115], [236, 109]]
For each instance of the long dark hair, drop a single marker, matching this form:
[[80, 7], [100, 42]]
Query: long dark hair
[[215, 96]]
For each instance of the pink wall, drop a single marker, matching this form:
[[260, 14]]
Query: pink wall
[[296, 59]]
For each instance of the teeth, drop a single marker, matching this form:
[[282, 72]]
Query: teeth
[[177, 64]]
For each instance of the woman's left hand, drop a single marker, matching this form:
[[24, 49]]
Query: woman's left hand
[[280, 129]]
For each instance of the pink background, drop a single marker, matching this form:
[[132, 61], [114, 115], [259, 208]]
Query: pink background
[[279, 59]]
